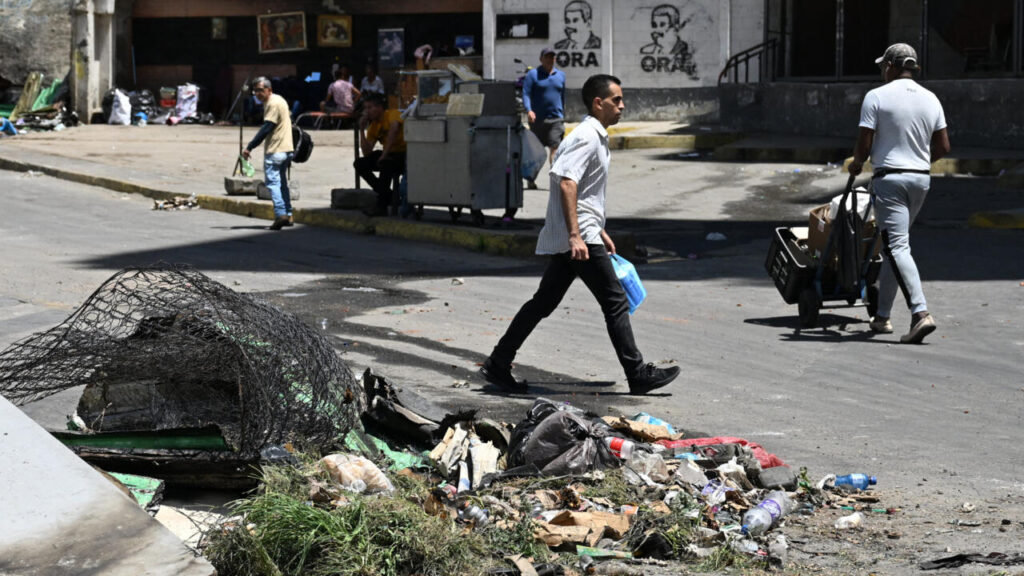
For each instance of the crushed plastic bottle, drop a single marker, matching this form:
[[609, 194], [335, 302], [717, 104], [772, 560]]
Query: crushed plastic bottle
[[854, 520], [474, 515], [858, 481], [768, 513]]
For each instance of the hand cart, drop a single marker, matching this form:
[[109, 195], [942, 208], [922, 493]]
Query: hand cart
[[846, 270]]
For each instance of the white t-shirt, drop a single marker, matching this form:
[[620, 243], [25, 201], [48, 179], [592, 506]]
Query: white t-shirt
[[376, 86], [582, 157], [904, 115]]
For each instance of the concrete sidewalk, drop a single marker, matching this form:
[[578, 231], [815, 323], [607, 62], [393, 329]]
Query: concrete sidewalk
[[162, 162]]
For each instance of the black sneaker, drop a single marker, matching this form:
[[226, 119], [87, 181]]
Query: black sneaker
[[651, 378], [501, 376]]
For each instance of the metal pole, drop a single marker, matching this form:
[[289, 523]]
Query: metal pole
[[1018, 24], [839, 39], [924, 39]]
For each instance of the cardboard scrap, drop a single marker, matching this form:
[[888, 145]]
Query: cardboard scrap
[[641, 430], [524, 566], [583, 527]]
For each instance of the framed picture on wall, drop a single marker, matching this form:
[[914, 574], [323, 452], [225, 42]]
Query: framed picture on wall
[[334, 30], [285, 32], [391, 47], [219, 28]]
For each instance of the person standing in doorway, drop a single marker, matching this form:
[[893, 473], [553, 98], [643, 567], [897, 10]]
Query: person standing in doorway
[[544, 100], [577, 244], [276, 131], [903, 130]]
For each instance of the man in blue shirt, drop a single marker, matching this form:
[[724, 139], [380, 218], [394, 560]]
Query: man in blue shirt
[[544, 100]]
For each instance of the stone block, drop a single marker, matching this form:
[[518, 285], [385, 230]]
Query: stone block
[[353, 199]]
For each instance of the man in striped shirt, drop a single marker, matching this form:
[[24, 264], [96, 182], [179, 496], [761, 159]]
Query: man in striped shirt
[[575, 239]]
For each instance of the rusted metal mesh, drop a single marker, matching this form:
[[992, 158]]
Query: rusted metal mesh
[[167, 348]]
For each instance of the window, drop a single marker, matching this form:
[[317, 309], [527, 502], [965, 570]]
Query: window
[[970, 39]]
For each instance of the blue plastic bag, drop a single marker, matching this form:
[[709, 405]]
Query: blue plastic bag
[[630, 281]]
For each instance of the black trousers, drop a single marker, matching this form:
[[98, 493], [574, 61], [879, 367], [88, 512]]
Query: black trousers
[[392, 165], [599, 276]]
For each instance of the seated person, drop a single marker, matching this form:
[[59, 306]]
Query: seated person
[[341, 95], [372, 82], [380, 125]]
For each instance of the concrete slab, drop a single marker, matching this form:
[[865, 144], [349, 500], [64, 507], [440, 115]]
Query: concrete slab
[[61, 517]]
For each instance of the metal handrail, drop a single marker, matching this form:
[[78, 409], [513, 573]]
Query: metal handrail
[[765, 69]]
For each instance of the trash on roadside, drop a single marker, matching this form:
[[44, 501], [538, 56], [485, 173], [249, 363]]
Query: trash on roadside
[[356, 474], [715, 237], [855, 520], [177, 203], [561, 440]]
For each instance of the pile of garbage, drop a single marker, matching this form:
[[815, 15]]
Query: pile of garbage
[[561, 492]]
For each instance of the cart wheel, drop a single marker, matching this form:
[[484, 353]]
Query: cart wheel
[[418, 213], [808, 306], [871, 299], [478, 217], [455, 212]]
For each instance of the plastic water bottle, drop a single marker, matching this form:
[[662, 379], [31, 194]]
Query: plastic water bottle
[[619, 446], [766, 514], [858, 481]]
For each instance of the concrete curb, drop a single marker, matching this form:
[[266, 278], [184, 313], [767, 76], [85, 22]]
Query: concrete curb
[[1006, 220], [496, 242], [977, 166]]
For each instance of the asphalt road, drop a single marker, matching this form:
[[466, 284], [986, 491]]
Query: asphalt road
[[940, 424]]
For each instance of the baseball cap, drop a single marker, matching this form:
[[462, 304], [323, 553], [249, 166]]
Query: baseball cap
[[900, 55], [546, 50]]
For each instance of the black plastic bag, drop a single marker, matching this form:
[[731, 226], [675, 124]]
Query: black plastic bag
[[560, 439]]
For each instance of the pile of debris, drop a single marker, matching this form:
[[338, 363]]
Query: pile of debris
[[561, 492], [177, 203]]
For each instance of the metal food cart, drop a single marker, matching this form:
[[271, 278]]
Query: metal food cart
[[463, 146]]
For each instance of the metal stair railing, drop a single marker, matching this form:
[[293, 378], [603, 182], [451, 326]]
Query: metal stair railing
[[766, 54]]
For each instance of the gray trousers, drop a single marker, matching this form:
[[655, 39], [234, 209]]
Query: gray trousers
[[898, 199]]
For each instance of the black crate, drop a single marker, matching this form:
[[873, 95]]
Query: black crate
[[787, 264]]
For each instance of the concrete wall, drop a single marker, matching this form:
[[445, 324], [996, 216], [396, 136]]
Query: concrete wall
[[35, 35], [980, 113], [667, 53]]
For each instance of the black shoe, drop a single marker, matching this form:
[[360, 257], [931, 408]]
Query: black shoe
[[501, 376], [651, 378], [279, 222]]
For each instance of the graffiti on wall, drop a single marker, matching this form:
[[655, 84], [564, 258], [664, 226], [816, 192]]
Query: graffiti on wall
[[668, 51], [579, 48]]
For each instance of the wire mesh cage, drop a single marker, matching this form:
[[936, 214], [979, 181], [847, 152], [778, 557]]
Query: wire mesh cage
[[167, 348]]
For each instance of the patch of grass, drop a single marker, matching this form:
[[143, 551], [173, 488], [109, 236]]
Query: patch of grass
[[283, 534], [516, 539], [723, 557], [613, 487]]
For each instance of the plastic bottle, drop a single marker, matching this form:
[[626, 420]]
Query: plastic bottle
[[766, 514], [858, 481], [619, 446], [473, 515], [854, 520]]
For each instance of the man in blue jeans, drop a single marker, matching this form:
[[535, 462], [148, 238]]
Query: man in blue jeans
[[544, 100], [903, 129], [577, 244], [277, 152]]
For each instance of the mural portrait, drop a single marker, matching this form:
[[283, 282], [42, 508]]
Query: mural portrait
[[668, 50], [579, 28]]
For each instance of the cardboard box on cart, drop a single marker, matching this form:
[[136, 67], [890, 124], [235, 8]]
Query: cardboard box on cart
[[820, 227]]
